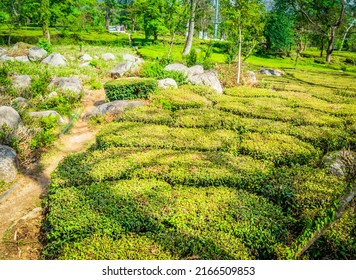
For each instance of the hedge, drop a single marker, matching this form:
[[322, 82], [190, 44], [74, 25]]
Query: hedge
[[130, 88]]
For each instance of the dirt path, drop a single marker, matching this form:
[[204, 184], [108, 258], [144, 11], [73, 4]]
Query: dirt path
[[20, 210]]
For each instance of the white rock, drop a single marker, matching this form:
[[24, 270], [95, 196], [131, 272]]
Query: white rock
[[86, 57], [167, 83], [195, 70], [36, 54], [73, 84], [108, 56], [21, 81], [177, 67], [8, 164], [208, 78], [10, 117], [55, 59]]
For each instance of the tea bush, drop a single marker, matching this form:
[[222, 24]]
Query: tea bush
[[130, 88], [176, 99], [156, 70], [159, 136], [148, 114]]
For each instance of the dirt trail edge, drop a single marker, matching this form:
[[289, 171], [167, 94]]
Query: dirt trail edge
[[20, 211]]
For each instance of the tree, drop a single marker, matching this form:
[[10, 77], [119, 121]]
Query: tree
[[45, 15], [150, 15], [325, 16], [175, 16], [244, 18]]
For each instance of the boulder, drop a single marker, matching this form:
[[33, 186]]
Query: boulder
[[55, 59], [85, 64], [43, 114], [73, 84], [177, 67], [195, 70], [114, 107], [21, 81], [8, 164], [108, 56], [251, 77], [335, 164], [22, 58], [129, 57], [2, 51], [167, 83], [10, 117], [36, 54], [6, 58], [271, 72], [85, 58], [208, 78], [20, 101], [123, 68]]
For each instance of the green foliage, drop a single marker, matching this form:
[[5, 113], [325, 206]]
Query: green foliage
[[192, 58], [95, 85], [46, 136], [148, 114], [130, 88], [159, 136], [175, 99], [44, 44], [278, 148], [156, 70], [60, 103]]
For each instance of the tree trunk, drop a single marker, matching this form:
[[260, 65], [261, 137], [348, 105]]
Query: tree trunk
[[239, 57], [45, 18], [189, 40], [330, 47], [107, 18], [171, 46], [345, 34], [322, 48]]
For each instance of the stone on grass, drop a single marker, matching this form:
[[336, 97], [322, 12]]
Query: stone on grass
[[195, 70], [114, 107], [21, 81], [86, 57], [8, 164], [44, 114], [36, 54], [122, 68], [335, 164], [108, 56], [271, 72], [251, 77], [22, 58], [177, 67], [73, 84], [2, 51], [6, 58], [55, 59], [20, 101], [85, 64], [9, 117], [208, 78], [167, 83]]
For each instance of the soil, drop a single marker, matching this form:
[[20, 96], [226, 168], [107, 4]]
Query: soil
[[21, 214]]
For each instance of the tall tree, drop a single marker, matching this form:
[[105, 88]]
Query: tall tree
[[45, 15], [243, 18], [325, 16]]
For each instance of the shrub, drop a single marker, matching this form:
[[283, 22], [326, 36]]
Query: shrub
[[192, 58], [148, 114], [58, 102], [95, 85], [175, 99], [130, 88], [143, 135], [278, 148], [156, 70], [44, 44]]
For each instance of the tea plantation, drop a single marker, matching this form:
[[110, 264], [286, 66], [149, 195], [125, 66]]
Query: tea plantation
[[196, 175]]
